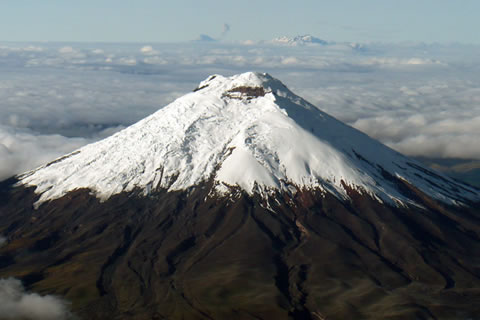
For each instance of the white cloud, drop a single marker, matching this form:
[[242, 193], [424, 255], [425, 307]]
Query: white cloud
[[21, 150], [290, 61], [28, 48], [155, 60], [66, 50], [52, 101], [3, 241], [439, 146], [32, 49], [16, 303], [71, 55], [129, 61], [401, 62], [249, 42], [98, 51], [148, 50], [427, 114]]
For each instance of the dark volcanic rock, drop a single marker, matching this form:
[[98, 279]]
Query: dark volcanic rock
[[247, 92], [183, 255]]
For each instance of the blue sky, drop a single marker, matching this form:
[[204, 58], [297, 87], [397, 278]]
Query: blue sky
[[183, 20]]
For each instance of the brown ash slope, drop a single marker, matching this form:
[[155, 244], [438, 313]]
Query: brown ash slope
[[243, 201], [175, 255]]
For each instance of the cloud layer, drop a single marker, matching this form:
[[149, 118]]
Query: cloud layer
[[422, 115], [22, 150], [419, 99], [16, 303]]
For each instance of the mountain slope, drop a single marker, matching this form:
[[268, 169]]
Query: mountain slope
[[184, 255]]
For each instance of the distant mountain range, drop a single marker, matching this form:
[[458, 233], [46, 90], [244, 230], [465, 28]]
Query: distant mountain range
[[296, 41]]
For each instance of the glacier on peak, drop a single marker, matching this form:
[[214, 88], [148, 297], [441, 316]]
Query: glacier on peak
[[246, 131], [301, 40]]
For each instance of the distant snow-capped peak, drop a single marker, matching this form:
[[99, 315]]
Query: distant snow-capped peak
[[299, 41], [247, 131]]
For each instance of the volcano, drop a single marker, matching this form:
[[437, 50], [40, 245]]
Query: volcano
[[241, 200]]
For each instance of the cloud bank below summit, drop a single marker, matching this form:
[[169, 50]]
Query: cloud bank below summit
[[16, 303], [422, 100]]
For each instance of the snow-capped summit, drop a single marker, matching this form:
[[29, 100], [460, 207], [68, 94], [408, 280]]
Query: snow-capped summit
[[247, 131], [299, 41]]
